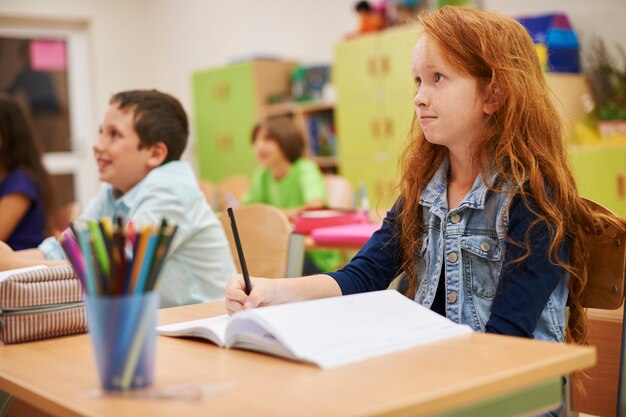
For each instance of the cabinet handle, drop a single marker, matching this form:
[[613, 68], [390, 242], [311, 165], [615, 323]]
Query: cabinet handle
[[385, 65], [372, 69], [621, 186], [379, 189], [389, 127], [224, 142], [375, 126], [221, 91]]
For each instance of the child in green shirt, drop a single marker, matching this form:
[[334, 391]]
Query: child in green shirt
[[286, 180]]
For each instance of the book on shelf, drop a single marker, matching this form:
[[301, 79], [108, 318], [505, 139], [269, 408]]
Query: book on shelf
[[327, 332], [322, 133]]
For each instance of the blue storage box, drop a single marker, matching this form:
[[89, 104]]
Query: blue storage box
[[555, 32]]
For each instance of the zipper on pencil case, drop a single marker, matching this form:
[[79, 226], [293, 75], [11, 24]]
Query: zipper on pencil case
[[14, 311]]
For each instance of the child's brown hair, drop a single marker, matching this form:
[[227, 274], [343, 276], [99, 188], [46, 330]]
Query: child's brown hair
[[283, 131], [158, 117]]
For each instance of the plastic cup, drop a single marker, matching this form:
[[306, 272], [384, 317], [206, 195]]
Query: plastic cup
[[123, 335]]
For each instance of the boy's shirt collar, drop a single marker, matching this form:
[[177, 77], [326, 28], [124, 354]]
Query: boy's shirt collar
[[157, 175]]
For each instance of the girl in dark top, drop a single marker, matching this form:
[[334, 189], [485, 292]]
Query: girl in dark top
[[26, 199], [489, 228]]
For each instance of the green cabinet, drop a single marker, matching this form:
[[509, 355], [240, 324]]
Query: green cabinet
[[227, 102], [374, 109], [600, 174]]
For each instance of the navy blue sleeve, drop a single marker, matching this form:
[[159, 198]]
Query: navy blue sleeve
[[525, 287], [19, 181], [376, 264]]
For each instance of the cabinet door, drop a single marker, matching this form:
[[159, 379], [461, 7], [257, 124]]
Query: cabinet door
[[356, 68], [222, 92], [395, 50], [600, 176], [223, 148], [372, 137], [359, 129], [397, 117]]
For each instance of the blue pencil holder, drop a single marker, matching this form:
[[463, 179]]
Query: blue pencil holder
[[123, 335]]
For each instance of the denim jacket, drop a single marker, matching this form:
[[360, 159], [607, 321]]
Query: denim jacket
[[470, 243]]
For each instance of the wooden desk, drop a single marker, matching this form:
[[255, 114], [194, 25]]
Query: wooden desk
[[451, 378]]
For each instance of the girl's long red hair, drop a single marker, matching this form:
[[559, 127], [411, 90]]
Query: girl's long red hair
[[523, 141]]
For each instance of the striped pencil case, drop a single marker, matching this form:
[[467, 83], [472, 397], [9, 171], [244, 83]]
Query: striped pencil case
[[41, 303]]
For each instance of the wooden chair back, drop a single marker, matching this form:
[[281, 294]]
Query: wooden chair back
[[235, 186], [605, 286], [264, 232], [210, 193], [603, 295], [340, 192]]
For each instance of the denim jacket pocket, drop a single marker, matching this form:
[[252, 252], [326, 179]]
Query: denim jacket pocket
[[482, 264]]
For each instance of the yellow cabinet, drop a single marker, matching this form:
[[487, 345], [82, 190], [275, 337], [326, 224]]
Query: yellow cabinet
[[374, 110], [600, 174]]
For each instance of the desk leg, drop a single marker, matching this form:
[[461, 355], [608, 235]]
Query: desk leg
[[5, 402], [295, 256], [621, 389]]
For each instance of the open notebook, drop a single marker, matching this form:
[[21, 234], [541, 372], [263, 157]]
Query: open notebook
[[328, 332]]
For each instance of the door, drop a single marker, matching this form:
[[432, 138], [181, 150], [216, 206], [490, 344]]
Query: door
[[47, 71]]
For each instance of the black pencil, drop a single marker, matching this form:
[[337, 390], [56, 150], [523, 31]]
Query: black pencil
[[242, 261]]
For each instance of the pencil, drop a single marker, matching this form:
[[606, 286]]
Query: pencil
[[100, 250], [161, 255], [242, 261]]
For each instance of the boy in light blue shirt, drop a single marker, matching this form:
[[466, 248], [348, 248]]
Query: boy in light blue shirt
[[142, 136]]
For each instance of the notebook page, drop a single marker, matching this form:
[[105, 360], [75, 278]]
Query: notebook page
[[340, 330], [212, 328]]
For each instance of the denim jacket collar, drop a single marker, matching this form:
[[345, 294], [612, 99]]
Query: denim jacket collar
[[436, 188]]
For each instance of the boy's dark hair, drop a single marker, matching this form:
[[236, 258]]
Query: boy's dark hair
[[284, 132], [21, 149], [158, 117]]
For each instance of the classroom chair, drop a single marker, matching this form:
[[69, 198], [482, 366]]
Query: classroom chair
[[604, 394], [340, 192], [264, 232], [233, 187], [210, 193]]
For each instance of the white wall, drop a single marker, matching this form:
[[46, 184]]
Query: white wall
[[197, 34]]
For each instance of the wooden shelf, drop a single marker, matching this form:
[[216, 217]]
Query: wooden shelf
[[325, 161], [285, 109]]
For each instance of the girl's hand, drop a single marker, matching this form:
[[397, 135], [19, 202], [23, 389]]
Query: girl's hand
[[263, 293], [5, 251], [10, 259], [277, 291]]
